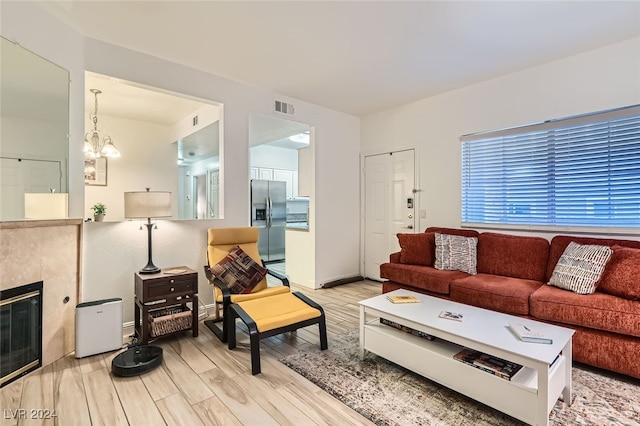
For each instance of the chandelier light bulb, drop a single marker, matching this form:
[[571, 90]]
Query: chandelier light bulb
[[93, 147]]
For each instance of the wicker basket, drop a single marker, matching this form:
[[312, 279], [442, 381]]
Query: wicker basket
[[170, 320]]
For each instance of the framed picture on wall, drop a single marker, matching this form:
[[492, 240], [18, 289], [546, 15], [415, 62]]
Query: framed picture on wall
[[95, 171]]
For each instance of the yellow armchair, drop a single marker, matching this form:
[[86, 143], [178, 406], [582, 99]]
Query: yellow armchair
[[221, 241]]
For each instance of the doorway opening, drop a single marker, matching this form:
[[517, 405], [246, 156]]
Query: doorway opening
[[279, 181], [165, 139]]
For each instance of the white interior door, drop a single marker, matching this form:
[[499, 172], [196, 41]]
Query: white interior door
[[389, 206]]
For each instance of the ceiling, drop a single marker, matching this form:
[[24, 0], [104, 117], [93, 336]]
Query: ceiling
[[358, 57], [126, 99]]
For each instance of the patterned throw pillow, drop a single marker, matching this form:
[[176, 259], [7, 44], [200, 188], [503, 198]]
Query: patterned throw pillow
[[239, 271], [580, 267], [456, 253]]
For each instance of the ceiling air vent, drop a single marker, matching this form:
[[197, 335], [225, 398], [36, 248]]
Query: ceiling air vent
[[284, 107]]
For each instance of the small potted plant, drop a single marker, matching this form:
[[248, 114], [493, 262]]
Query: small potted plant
[[99, 210]]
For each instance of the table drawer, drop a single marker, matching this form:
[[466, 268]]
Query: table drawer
[[170, 286]]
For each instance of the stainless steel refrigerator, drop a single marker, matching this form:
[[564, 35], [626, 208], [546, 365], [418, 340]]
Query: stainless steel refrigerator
[[269, 215]]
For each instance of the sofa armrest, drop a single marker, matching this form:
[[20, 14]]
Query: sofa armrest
[[394, 257]]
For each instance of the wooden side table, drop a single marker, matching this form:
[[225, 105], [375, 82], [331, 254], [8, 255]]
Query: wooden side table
[[171, 287]]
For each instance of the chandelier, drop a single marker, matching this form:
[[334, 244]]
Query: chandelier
[[93, 146]]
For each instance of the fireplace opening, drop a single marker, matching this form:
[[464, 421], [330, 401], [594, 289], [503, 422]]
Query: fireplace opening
[[20, 331]]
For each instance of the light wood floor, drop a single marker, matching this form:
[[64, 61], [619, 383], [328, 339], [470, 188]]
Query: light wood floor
[[200, 381]]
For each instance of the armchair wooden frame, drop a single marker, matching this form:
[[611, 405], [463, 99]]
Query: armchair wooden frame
[[238, 311], [221, 309]]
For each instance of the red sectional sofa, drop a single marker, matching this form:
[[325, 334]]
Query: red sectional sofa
[[512, 276]]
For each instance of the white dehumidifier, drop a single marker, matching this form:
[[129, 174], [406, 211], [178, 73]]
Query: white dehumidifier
[[98, 327]]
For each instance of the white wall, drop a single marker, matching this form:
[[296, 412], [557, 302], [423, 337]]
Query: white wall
[[273, 157], [19, 134], [112, 252], [597, 80], [207, 114]]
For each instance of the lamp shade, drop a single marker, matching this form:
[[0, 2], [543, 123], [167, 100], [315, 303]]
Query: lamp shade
[[46, 206], [147, 204]]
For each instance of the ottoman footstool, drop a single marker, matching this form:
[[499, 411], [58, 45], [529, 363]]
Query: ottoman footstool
[[274, 315]]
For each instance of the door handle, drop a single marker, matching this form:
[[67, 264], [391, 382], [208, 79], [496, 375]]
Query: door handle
[[408, 227]]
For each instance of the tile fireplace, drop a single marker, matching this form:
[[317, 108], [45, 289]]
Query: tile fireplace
[[47, 251], [20, 331]]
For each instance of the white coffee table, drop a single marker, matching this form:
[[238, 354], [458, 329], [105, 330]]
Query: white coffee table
[[530, 394]]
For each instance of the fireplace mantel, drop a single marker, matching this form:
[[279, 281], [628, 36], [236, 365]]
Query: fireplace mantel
[[38, 223], [48, 251]]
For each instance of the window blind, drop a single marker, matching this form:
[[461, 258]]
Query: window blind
[[579, 171]]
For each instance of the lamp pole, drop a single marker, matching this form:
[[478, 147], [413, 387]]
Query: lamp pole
[[150, 268]]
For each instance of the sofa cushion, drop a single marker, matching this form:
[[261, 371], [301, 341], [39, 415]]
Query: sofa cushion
[[598, 310], [495, 292], [417, 249], [580, 267], [560, 242], [453, 231], [513, 256], [620, 277], [456, 253], [421, 277]]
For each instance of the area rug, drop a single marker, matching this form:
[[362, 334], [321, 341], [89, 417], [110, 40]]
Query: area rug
[[388, 394]]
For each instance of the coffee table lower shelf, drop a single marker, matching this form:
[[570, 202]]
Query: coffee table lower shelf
[[434, 360]]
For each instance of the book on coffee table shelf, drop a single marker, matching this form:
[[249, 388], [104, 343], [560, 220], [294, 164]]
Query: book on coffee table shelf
[[406, 329], [403, 298], [527, 333], [488, 363], [455, 316], [500, 367]]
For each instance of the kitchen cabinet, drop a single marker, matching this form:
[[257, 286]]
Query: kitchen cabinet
[[285, 176], [265, 174], [254, 173], [288, 176]]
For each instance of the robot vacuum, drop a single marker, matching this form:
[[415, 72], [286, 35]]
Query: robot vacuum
[[136, 360]]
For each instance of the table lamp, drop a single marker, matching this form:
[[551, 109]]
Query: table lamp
[[147, 204]]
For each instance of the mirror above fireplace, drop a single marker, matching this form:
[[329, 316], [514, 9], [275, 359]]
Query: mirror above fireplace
[[34, 97]]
